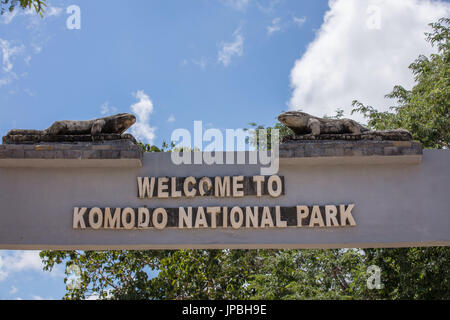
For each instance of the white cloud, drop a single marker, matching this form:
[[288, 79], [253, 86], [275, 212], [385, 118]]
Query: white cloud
[[13, 290], [299, 21], [202, 62], [236, 4], [8, 54], [230, 49], [362, 50], [142, 109], [106, 109], [278, 25], [39, 37], [171, 118], [267, 6], [53, 11], [184, 62], [7, 17], [274, 27], [19, 261]]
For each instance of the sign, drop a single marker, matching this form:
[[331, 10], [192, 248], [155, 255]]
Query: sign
[[352, 202], [212, 216]]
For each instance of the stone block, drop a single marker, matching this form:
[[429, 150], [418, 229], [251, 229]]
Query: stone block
[[15, 153], [402, 144], [43, 147], [102, 147], [391, 151], [91, 154], [127, 154], [33, 154], [110, 154], [72, 154]]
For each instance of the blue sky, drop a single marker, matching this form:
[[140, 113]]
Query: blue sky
[[167, 49], [225, 62]]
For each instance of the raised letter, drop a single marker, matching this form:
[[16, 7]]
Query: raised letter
[[189, 193], [78, 217], [302, 213], [112, 222], [175, 193], [213, 211], [251, 217], [330, 216], [222, 189], [346, 214], [200, 220], [237, 186], [128, 212], [143, 217], [145, 187], [184, 218], [95, 223], [201, 185], [163, 187], [159, 212], [259, 181], [266, 219], [225, 217], [279, 222], [274, 193], [316, 217], [236, 224]]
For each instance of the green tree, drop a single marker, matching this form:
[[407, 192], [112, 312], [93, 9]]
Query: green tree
[[10, 5], [423, 110]]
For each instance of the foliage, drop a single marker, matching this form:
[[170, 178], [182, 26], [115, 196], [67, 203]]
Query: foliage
[[413, 273], [152, 148], [311, 274], [423, 110], [262, 140], [183, 274], [10, 5], [339, 114]]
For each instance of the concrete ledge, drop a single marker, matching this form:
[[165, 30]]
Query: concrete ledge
[[120, 153], [364, 160], [350, 152], [220, 246], [70, 163]]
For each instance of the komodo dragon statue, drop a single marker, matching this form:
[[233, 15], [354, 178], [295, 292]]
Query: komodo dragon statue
[[302, 123], [116, 124]]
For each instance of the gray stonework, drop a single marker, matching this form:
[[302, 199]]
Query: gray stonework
[[343, 148], [114, 149], [36, 138]]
